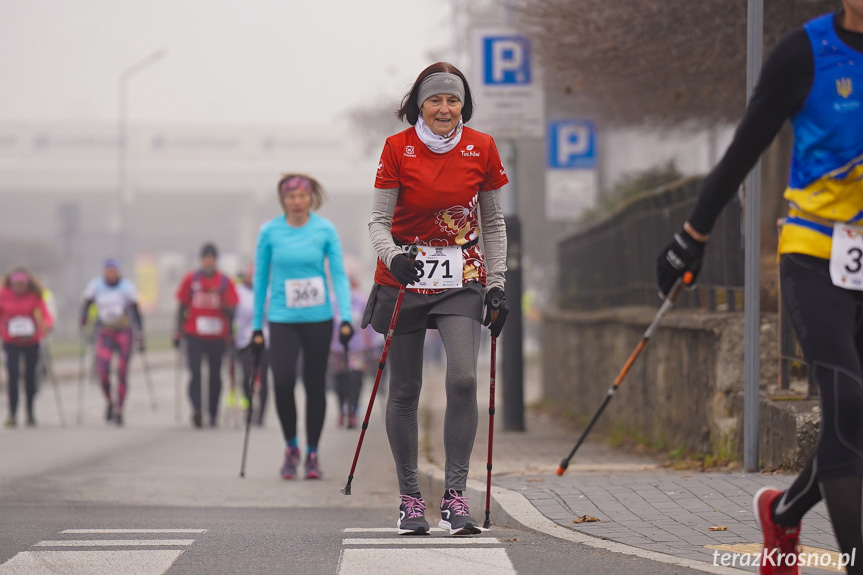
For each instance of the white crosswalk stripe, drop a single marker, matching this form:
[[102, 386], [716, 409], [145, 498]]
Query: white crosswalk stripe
[[139, 562], [380, 530], [98, 561], [421, 541], [119, 531], [116, 543], [421, 555]]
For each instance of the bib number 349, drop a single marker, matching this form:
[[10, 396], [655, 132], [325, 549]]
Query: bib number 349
[[442, 267], [846, 257]]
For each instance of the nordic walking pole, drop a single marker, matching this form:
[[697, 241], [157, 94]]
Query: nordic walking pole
[[82, 359], [48, 365], [255, 366], [492, 372], [178, 360], [667, 304], [412, 255], [150, 391]]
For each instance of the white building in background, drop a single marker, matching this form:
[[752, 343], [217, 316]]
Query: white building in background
[[60, 191]]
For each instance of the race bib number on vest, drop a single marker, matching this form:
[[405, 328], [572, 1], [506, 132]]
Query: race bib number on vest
[[307, 292], [208, 325], [110, 312], [442, 267], [846, 257], [22, 326]]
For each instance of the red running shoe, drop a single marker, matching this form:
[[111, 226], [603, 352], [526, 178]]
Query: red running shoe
[[781, 552]]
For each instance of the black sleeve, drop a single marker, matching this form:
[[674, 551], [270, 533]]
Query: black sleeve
[[85, 311], [781, 92], [229, 316], [181, 317], [137, 318]]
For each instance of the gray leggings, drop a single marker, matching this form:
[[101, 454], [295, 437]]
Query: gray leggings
[[460, 336]]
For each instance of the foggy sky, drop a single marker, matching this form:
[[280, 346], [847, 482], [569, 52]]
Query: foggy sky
[[227, 61]]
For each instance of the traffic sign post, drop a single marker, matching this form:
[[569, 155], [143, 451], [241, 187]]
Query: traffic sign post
[[507, 85], [571, 179], [507, 88]]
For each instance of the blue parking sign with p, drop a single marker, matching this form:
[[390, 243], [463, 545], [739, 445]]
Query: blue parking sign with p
[[506, 60], [572, 144]]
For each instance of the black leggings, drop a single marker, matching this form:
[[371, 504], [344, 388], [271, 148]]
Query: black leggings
[[13, 363], [286, 340], [828, 321], [214, 349]]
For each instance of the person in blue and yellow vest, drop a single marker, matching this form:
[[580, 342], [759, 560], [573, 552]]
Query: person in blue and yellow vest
[[814, 78]]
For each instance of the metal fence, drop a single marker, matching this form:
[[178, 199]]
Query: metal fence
[[612, 262]]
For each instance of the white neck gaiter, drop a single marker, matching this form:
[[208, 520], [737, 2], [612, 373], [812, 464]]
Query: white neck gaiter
[[435, 143]]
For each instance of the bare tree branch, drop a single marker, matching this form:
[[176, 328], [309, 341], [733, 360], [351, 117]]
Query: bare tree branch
[[661, 62]]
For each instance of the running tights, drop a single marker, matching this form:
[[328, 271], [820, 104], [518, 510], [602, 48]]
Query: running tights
[[461, 337], [108, 341], [286, 341], [829, 324], [214, 349], [13, 363]]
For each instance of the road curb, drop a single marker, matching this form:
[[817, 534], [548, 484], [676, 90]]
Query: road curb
[[512, 509]]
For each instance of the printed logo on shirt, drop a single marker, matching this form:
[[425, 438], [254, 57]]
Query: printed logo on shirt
[[410, 152], [844, 87], [380, 166], [469, 151], [206, 300]]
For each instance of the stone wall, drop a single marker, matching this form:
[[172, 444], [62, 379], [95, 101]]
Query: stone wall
[[685, 390]]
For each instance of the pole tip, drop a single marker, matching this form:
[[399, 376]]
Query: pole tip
[[560, 470], [346, 490], [487, 524], [242, 474]]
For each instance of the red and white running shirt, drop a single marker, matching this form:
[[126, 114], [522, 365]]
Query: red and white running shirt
[[439, 194]]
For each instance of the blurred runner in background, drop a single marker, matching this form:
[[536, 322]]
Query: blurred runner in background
[[119, 323], [207, 300], [24, 321]]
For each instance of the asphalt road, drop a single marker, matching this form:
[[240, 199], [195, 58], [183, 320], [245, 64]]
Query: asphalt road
[[157, 496]]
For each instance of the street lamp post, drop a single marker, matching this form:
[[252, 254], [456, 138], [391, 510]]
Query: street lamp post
[[752, 226], [122, 145]]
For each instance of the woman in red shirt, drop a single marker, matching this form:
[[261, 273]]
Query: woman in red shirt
[[24, 320], [436, 181]]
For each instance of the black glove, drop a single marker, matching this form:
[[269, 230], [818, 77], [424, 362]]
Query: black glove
[[404, 272], [682, 255], [346, 332], [495, 300], [257, 344], [176, 340]]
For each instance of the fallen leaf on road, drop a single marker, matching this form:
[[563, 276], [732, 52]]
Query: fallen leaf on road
[[513, 540], [585, 519], [534, 480], [718, 528]]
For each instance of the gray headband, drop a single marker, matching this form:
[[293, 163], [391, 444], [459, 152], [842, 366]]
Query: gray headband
[[440, 83]]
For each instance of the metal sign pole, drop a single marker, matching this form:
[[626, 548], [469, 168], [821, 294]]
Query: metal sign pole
[[752, 279]]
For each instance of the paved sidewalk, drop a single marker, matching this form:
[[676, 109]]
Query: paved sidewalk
[[638, 503]]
